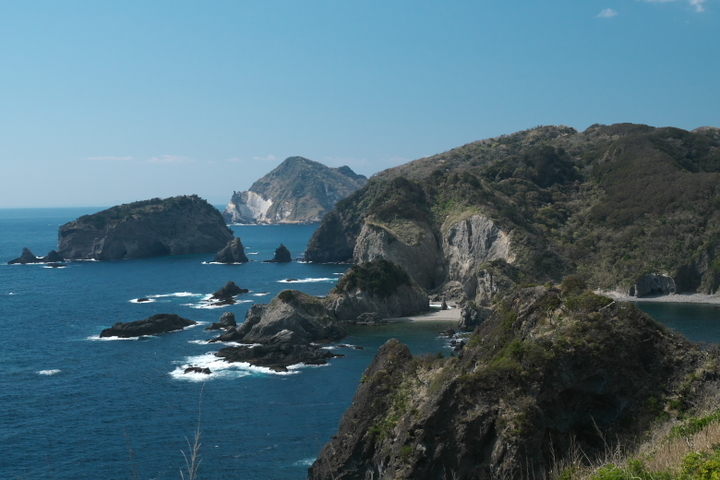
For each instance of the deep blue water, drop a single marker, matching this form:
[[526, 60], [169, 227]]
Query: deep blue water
[[75, 407]]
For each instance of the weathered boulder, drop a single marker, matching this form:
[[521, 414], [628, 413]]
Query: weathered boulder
[[517, 400], [194, 369], [283, 349], [151, 228], [233, 252], [472, 315], [282, 255], [379, 287], [227, 320], [160, 323], [652, 284], [26, 257]]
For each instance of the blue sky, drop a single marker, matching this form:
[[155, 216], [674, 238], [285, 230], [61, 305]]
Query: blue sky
[[110, 102]]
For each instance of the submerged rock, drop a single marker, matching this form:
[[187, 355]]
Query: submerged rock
[[160, 323], [233, 252]]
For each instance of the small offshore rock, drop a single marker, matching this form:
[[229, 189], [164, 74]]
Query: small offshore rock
[[226, 293], [194, 369], [54, 257], [282, 255], [233, 252], [160, 323], [26, 257]]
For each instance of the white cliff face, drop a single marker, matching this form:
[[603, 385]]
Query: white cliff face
[[419, 260], [247, 207], [469, 243]]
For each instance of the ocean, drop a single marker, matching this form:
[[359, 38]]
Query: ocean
[[73, 406]]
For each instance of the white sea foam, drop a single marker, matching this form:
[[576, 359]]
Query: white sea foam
[[260, 294], [252, 253], [305, 462], [220, 369], [55, 267], [209, 305], [48, 372], [114, 339], [147, 300], [306, 280], [176, 294]]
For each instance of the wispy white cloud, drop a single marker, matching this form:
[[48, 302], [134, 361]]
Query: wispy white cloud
[[171, 159], [234, 159], [607, 13], [109, 159], [269, 158], [697, 4]]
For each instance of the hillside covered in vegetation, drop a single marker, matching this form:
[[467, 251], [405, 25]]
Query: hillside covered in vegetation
[[628, 207]]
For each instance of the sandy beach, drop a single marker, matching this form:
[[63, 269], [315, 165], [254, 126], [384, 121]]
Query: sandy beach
[[675, 298], [435, 315]]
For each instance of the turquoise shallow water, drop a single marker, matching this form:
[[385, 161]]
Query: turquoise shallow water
[[75, 407]]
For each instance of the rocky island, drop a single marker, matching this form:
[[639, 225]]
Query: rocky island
[[151, 228], [160, 323], [297, 191]]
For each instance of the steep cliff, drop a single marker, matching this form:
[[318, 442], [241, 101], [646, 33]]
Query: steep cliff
[[151, 228], [617, 204], [551, 371], [297, 191]]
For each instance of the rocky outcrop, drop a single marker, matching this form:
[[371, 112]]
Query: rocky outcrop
[[548, 373], [227, 321], [652, 284], [412, 246], [226, 295], [472, 242], [282, 350], [378, 287], [173, 226], [28, 257], [282, 255], [297, 191], [160, 323], [233, 252]]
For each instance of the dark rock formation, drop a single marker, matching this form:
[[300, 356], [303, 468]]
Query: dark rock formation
[[472, 315], [160, 323], [652, 284], [283, 349], [26, 257], [547, 372], [282, 255], [233, 252], [152, 228], [297, 191], [194, 369], [228, 291], [227, 320]]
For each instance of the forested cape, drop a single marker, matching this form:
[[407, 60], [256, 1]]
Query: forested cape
[[611, 203]]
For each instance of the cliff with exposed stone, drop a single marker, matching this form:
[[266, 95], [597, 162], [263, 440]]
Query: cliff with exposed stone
[[297, 191], [630, 208]]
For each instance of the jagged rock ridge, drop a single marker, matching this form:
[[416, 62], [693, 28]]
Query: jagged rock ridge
[[549, 371], [629, 207], [174, 226], [297, 191]]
